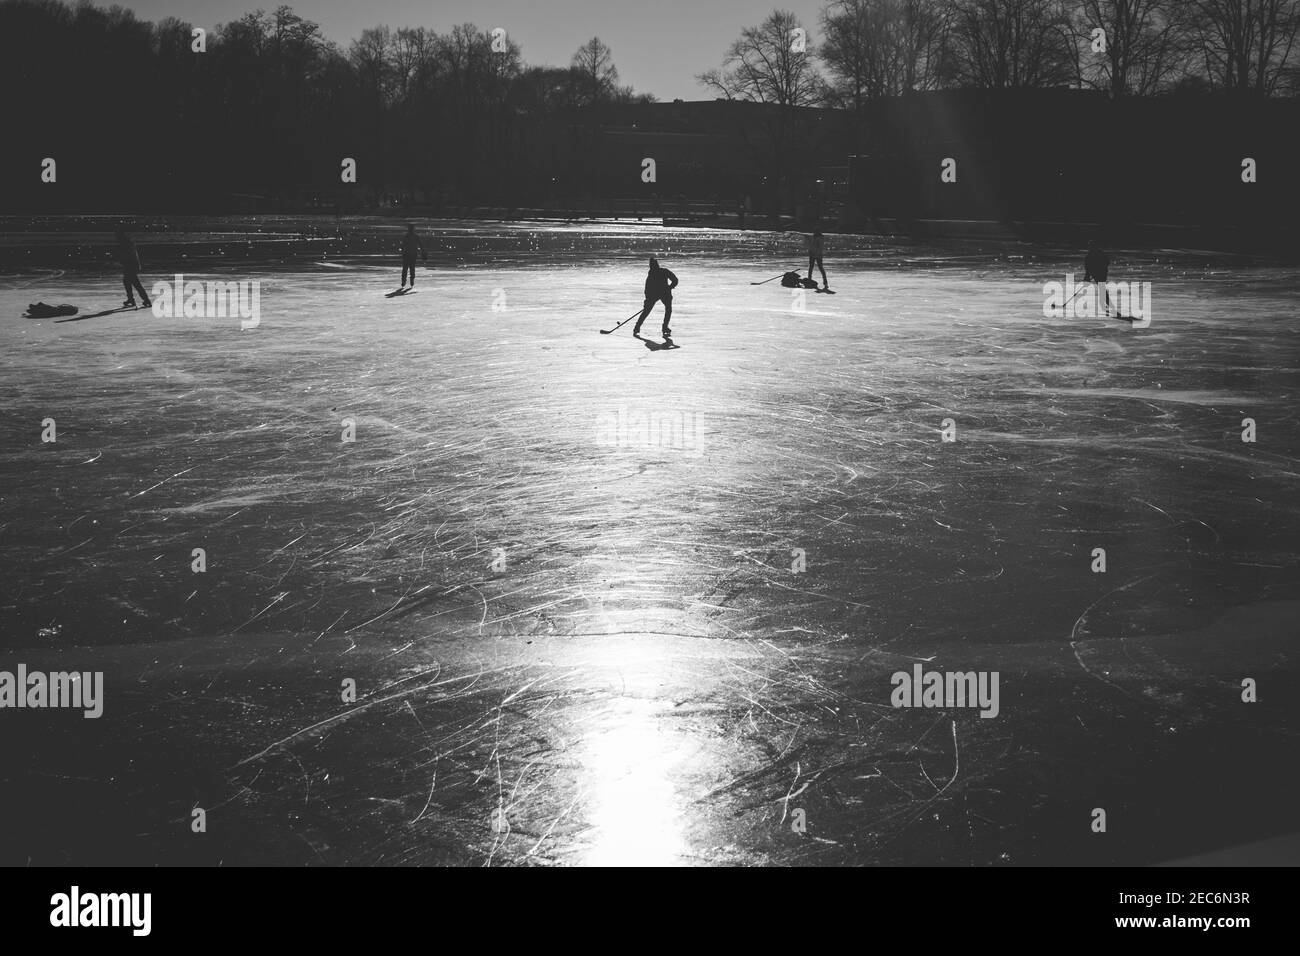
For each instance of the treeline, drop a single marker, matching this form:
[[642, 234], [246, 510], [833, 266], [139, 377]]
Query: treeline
[[880, 48], [129, 109], [875, 49], [136, 118]]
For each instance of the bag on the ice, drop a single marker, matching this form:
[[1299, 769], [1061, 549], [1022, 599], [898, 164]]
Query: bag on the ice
[[793, 280], [39, 310]]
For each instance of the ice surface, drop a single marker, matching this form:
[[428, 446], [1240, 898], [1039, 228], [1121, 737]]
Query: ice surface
[[646, 679]]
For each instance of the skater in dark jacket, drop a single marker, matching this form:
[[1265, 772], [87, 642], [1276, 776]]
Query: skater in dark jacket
[[659, 285], [815, 248], [129, 258], [1096, 268], [411, 244]]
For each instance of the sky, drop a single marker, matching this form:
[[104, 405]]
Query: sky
[[659, 46]]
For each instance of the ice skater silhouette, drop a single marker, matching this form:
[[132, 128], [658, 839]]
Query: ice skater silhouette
[[659, 285], [411, 244], [128, 256], [815, 256], [1096, 268]]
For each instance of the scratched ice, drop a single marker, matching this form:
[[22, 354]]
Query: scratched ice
[[562, 567]]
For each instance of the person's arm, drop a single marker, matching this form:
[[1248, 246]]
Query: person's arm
[[672, 279], [423, 255]]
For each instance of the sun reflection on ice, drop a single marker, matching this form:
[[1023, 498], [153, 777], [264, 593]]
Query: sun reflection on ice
[[635, 813]]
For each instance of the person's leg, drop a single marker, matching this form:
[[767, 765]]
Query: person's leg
[[668, 314], [144, 296], [811, 260], [412, 272], [649, 304], [130, 293], [820, 266]]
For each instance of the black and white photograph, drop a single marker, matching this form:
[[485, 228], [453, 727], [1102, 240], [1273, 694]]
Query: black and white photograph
[[478, 433]]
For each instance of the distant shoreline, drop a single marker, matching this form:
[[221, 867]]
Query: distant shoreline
[[72, 240]]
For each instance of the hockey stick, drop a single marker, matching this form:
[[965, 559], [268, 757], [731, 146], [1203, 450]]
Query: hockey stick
[[621, 324]]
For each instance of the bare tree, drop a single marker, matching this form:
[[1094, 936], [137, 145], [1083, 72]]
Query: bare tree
[[879, 48], [1145, 44], [850, 51], [1001, 44], [925, 43], [409, 56], [768, 64], [477, 78], [1247, 44], [370, 55], [596, 75]]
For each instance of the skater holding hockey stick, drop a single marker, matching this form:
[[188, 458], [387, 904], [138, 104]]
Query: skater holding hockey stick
[[1096, 268], [659, 285]]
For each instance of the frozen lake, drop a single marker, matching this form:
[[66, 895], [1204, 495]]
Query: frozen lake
[[607, 601]]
